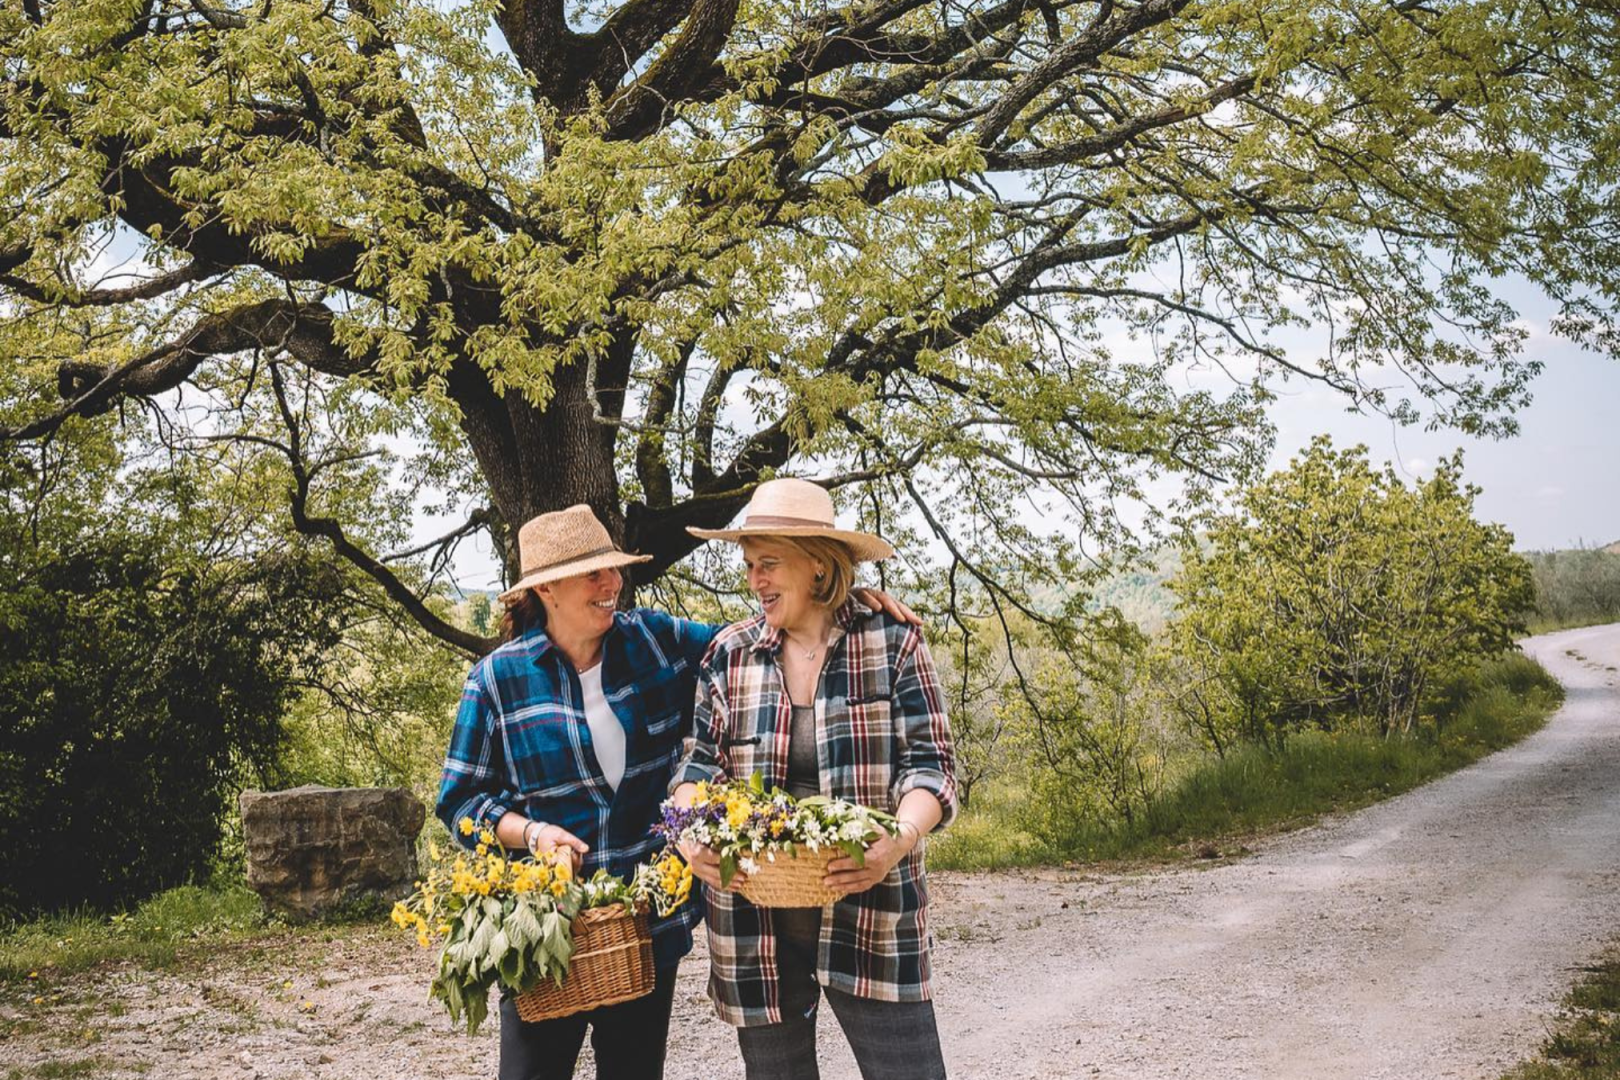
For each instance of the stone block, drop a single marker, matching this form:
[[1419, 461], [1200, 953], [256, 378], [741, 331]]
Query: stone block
[[312, 848]]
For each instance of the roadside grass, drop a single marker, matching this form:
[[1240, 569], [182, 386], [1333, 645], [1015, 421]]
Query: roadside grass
[[1540, 624], [1212, 805], [1585, 1041], [71, 1069], [152, 934]]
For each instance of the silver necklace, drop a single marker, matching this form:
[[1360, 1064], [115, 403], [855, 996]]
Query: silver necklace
[[810, 653]]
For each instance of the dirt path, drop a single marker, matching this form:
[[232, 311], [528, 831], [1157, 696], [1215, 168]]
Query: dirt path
[[1425, 937]]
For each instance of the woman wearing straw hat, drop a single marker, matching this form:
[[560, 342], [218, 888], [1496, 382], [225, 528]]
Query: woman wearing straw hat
[[822, 697], [566, 738]]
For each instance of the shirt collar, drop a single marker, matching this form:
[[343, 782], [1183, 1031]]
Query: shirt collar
[[539, 645], [844, 619]]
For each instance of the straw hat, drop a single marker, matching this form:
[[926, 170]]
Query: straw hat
[[797, 508], [564, 544]]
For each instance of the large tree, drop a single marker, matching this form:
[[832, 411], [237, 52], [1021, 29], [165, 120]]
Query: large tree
[[644, 254]]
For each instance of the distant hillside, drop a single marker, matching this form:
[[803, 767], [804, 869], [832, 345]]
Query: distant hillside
[[1140, 593]]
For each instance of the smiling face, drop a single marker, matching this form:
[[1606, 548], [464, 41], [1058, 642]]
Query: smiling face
[[784, 579], [581, 608]]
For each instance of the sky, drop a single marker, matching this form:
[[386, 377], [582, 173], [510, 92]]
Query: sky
[[1556, 484]]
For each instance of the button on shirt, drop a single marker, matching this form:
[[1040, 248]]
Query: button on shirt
[[882, 731], [523, 744]]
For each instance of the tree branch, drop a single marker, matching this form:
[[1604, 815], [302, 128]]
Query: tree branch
[[302, 330], [332, 530]]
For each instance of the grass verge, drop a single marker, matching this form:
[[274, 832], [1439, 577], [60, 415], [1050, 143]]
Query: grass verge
[[1585, 1041], [1212, 804], [151, 934]]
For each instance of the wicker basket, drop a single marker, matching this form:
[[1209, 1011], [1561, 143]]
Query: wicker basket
[[612, 963], [792, 880]]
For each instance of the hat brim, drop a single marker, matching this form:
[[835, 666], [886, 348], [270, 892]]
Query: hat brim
[[606, 561], [864, 546]]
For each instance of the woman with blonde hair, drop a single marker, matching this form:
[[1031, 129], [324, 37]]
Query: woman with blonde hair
[[822, 697]]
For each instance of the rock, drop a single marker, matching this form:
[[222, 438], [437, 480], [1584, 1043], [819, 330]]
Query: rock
[[313, 848]]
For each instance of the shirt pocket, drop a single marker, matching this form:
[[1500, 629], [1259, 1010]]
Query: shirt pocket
[[664, 697], [544, 761], [748, 743]]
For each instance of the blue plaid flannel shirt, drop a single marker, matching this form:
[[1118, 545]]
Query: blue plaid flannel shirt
[[521, 745]]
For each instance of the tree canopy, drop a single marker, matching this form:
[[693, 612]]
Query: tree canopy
[[645, 254]]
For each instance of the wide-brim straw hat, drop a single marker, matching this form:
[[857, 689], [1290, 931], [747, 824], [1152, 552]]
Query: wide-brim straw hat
[[564, 544], [797, 508]]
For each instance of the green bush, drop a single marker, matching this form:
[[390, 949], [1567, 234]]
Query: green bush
[[133, 701]]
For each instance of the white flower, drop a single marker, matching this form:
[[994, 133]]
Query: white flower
[[747, 865]]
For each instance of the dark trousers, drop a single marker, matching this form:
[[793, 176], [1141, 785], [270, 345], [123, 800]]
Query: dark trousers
[[892, 1040], [628, 1039]]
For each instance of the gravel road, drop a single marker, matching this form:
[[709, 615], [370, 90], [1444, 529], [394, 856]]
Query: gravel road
[[1428, 936]]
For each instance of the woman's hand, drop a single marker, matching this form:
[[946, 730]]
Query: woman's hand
[[878, 600], [705, 864], [548, 839], [847, 878]]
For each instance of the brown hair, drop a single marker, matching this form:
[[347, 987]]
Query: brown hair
[[832, 590], [522, 615]]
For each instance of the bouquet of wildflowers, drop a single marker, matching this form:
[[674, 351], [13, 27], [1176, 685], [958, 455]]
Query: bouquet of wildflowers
[[745, 824], [509, 921]]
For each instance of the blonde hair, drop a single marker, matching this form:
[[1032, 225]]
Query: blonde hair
[[832, 590]]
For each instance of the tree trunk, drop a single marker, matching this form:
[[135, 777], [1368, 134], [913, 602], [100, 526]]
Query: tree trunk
[[537, 460]]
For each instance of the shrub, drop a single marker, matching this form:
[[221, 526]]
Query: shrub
[[133, 701]]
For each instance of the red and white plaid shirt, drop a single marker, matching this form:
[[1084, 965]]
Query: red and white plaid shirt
[[881, 732]]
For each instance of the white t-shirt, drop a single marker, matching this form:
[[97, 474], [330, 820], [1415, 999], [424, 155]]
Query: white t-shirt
[[606, 733]]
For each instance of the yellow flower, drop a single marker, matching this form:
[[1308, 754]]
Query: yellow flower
[[558, 888], [737, 810], [486, 836], [466, 826]]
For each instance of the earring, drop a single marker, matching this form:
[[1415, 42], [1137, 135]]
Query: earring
[[821, 575]]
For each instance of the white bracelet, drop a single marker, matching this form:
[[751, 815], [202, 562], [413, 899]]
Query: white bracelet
[[528, 841]]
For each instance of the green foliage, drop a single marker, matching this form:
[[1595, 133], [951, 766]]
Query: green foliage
[[1336, 596], [918, 249], [376, 710], [133, 700], [1093, 715], [1213, 803]]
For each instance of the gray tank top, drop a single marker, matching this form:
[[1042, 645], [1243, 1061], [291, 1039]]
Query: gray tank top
[[800, 928], [803, 769]]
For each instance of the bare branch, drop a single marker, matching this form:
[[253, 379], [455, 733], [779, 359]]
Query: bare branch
[[330, 528]]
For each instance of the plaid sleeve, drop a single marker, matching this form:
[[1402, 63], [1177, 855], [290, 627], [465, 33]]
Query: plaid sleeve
[[693, 638], [702, 758], [927, 760], [473, 784]]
